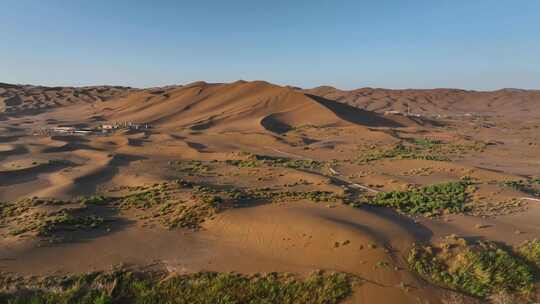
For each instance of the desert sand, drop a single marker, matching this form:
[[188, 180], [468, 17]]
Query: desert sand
[[289, 167]]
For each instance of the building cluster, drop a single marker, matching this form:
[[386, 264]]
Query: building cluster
[[408, 114], [102, 129], [124, 125]]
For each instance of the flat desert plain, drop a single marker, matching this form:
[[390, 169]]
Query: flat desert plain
[[249, 192]]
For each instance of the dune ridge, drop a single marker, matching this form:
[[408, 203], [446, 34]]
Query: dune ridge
[[504, 102]]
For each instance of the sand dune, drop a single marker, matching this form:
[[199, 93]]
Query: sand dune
[[506, 102], [16, 100], [239, 106]]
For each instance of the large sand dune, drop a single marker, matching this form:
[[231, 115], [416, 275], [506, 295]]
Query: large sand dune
[[239, 106]]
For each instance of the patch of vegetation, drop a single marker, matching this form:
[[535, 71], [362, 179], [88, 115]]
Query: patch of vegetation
[[190, 166], [205, 287], [160, 204], [530, 186], [480, 269], [530, 251], [45, 217], [422, 148], [400, 151], [426, 142], [243, 163], [255, 160], [487, 208], [239, 197], [65, 220], [430, 200]]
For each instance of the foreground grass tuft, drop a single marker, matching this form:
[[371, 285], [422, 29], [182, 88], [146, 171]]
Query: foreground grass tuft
[[530, 251], [481, 269], [207, 287], [431, 200]]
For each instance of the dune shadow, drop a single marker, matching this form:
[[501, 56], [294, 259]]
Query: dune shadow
[[68, 147], [355, 115], [273, 124], [18, 150], [420, 232], [88, 184], [197, 146], [9, 178]]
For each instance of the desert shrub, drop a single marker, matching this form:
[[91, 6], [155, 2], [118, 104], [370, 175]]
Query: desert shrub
[[431, 200], [480, 269]]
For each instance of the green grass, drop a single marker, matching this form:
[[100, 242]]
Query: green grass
[[480, 269], [207, 287], [430, 200]]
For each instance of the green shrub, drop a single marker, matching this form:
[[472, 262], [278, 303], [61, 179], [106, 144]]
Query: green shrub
[[431, 200]]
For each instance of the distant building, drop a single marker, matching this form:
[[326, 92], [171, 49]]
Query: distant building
[[64, 129]]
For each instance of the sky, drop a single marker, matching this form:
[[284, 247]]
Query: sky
[[469, 44]]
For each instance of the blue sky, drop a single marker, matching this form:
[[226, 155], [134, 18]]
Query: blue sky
[[480, 44]]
